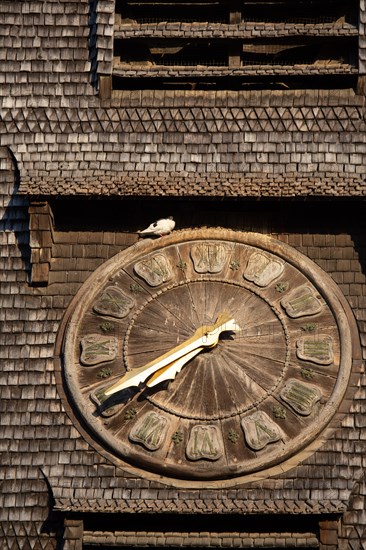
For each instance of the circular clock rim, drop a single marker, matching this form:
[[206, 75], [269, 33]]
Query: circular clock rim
[[264, 468]]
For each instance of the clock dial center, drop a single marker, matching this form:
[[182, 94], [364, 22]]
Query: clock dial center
[[247, 365]]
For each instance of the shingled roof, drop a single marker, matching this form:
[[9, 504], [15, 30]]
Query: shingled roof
[[277, 145], [173, 184]]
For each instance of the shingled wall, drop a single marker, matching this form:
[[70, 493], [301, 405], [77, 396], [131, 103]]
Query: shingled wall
[[59, 139], [47, 463]]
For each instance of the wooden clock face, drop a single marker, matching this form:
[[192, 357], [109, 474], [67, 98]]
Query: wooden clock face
[[258, 397]]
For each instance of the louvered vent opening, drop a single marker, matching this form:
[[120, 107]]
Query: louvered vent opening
[[307, 12], [148, 12], [176, 53], [182, 530], [235, 44], [313, 52]]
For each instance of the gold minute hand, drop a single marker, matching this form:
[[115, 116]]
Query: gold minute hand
[[169, 372], [205, 336]]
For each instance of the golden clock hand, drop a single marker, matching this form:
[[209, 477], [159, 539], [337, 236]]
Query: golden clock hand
[[138, 375], [169, 372], [204, 336]]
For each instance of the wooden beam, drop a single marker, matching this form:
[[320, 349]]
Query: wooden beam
[[41, 239]]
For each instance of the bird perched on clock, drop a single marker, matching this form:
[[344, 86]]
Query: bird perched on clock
[[159, 228]]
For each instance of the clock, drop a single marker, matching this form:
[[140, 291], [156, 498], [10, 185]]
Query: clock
[[207, 355]]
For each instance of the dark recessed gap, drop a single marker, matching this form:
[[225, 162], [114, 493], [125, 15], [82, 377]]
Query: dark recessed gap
[[308, 12], [171, 12], [320, 52], [283, 82], [314, 12], [294, 214], [177, 53]]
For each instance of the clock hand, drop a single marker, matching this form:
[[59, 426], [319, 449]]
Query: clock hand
[[169, 372], [205, 336]]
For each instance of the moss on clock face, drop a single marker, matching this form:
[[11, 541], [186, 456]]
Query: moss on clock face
[[233, 436], [104, 373], [177, 437], [106, 326]]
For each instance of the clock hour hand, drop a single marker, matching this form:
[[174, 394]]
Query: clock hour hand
[[169, 372], [204, 337]]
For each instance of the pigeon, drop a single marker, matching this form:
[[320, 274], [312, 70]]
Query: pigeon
[[159, 228]]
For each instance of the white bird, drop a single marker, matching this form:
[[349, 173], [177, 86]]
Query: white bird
[[159, 228]]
